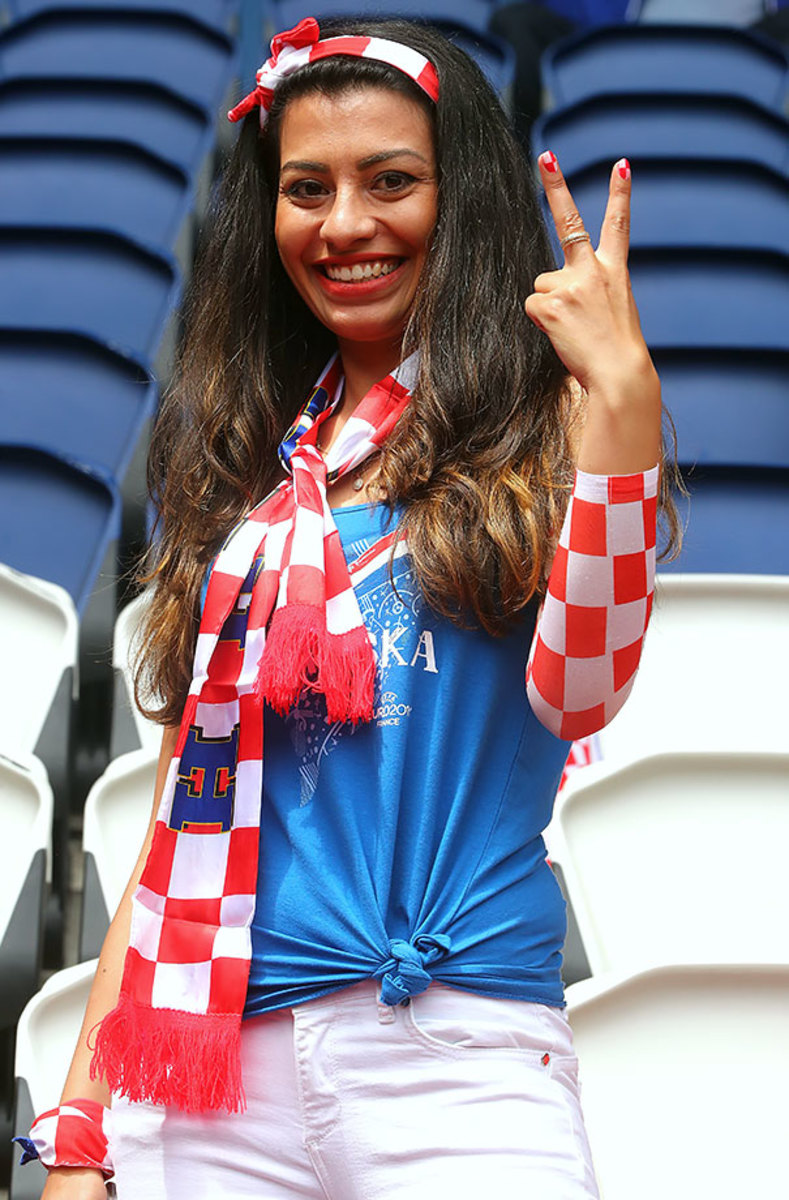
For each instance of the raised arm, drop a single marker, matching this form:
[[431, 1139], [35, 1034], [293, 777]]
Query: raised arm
[[587, 644]]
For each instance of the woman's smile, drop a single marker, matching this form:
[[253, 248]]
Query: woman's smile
[[356, 208]]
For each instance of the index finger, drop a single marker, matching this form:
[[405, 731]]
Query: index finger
[[615, 231], [566, 217]]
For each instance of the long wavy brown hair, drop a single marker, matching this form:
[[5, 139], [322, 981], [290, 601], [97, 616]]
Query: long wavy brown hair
[[480, 463]]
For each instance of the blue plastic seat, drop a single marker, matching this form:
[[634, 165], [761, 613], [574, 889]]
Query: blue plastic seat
[[58, 519], [147, 115], [219, 13], [736, 523], [73, 396], [473, 14], [729, 407], [465, 25], [700, 203], [170, 49], [640, 125], [712, 298], [666, 59], [98, 184], [98, 284]]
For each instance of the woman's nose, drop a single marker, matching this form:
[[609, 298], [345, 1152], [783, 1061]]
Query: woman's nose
[[349, 219]]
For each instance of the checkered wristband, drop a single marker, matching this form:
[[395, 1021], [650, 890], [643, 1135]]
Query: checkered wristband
[[72, 1135], [587, 644]]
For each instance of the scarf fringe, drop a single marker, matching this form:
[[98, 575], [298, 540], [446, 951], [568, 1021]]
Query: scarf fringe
[[301, 654], [190, 1061]]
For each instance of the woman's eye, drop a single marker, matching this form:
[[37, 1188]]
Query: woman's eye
[[305, 189], [393, 181]]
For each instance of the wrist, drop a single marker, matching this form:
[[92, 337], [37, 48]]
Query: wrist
[[73, 1136]]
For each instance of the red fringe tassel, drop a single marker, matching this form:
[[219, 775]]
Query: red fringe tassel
[[191, 1061], [300, 654]]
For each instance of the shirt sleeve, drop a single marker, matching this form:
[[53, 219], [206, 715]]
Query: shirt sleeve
[[587, 643]]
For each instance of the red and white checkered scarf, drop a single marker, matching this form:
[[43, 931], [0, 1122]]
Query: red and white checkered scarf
[[280, 615]]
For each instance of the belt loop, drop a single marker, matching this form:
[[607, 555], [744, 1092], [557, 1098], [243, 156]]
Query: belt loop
[[386, 1013]]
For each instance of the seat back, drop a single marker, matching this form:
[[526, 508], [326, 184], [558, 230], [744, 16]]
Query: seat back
[[683, 1080]]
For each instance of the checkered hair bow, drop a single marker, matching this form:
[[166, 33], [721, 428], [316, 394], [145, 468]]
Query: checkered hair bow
[[280, 616], [300, 46]]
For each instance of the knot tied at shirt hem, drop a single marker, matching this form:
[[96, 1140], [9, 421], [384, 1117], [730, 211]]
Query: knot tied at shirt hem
[[405, 973]]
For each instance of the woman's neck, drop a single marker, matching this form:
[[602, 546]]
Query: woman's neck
[[363, 365]]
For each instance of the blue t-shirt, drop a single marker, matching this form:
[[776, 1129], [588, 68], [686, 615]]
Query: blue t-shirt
[[410, 847]]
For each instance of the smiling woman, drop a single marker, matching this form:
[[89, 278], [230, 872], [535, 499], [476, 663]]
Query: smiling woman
[[335, 973]]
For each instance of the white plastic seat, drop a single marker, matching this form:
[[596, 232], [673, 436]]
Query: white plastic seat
[[130, 728], [117, 812], [678, 858], [25, 856], [683, 1072], [713, 670], [38, 643]]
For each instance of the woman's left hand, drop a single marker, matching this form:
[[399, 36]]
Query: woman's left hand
[[587, 310]]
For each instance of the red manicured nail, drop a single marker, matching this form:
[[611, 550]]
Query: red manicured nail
[[623, 167], [549, 160]]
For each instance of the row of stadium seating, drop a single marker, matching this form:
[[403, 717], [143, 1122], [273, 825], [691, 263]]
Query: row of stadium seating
[[107, 136]]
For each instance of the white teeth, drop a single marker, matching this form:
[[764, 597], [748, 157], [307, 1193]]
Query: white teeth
[[368, 270]]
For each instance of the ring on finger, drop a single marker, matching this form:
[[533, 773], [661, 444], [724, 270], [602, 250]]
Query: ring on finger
[[580, 236]]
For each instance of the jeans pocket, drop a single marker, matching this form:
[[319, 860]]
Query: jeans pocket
[[464, 1023]]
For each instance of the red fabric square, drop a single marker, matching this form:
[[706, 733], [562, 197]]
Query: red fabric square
[[584, 631], [205, 911], [242, 862], [624, 489], [138, 977], [557, 583], [626, 663], [588, 527], [581, 724], [650, 522], [229, 980], [630, 578], [186, 942], [547, 674], [158, 868]]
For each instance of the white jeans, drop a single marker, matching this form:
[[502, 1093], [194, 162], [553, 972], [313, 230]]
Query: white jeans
[[454, 1095]]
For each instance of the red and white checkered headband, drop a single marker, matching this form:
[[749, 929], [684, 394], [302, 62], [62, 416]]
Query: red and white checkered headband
[[297, 47]]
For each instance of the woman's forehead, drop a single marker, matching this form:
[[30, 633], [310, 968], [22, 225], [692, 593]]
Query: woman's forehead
[[361, 121]]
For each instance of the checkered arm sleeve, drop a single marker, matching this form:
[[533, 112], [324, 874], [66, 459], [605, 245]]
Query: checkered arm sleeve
[[587, 643]]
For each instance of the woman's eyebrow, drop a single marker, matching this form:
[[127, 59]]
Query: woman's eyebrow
[[304, 164]]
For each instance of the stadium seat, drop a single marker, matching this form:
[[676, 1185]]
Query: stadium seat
[[46, 1036], [711, 298], [38, 646], [25, 851], [729, 407], [99, 284], [713, 670], [219, 13], [59, 519], [99, 184], [130, 729], [696, 841], [641, 126], [172, 49], [117, 812], [73, 396], [147, 115], [700, 204], [736, 521], [682, 1070], [666, 59]]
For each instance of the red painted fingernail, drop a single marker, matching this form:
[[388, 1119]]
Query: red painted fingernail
[[623, 167], [549, 160]]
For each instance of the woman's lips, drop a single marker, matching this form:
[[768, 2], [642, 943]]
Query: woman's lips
[[346, 289]]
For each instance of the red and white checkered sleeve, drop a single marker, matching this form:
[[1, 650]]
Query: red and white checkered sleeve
[[587, 643], [75, 1134]]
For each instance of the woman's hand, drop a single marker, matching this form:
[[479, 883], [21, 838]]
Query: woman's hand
[[74, 1183], [587, 310]]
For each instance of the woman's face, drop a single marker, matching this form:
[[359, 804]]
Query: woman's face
[[356, 208]]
